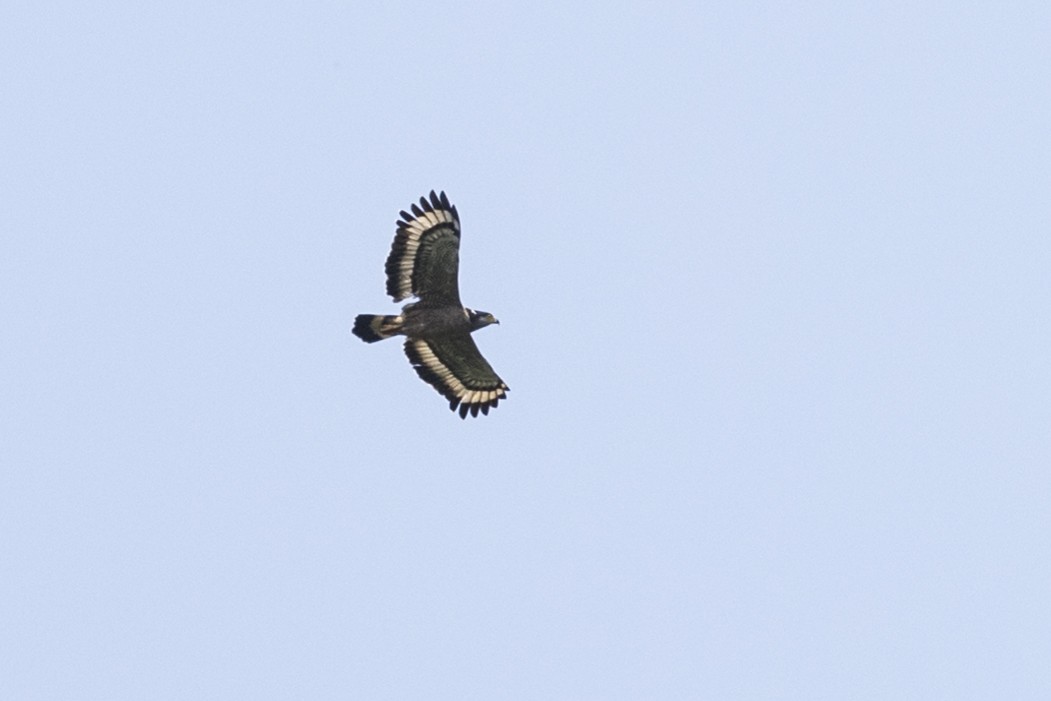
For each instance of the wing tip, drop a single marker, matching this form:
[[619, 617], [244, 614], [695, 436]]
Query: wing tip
[[474, 408]]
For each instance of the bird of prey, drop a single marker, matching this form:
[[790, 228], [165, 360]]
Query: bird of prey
[[424, 262]]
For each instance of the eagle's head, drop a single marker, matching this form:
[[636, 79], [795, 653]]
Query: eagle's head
[[480, 319]]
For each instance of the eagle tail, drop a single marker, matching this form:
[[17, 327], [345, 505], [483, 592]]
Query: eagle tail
[[376, 327]]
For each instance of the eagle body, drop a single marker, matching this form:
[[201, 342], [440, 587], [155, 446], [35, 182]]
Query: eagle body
[[424, 263], [435, 322], [420, 322]]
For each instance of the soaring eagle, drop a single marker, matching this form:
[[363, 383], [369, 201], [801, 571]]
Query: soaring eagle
[[424, 262]]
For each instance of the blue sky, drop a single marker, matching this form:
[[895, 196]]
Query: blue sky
[[773, 283]]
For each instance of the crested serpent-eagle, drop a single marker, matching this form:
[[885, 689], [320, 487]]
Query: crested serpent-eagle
[[424, 262]]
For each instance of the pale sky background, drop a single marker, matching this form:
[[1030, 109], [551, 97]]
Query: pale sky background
[[774, 279]]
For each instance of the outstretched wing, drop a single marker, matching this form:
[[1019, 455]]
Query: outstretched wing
[[454, 367], [424, 259]]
